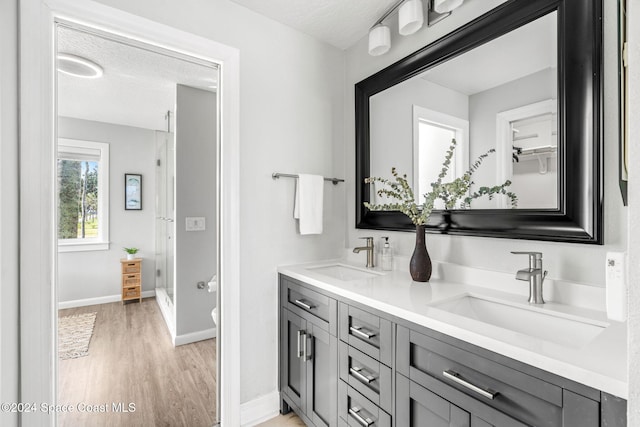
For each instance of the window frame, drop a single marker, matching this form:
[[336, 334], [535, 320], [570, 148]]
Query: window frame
[[101, 242]]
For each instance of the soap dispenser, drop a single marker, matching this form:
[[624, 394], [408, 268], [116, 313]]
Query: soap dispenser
[[387, 256]]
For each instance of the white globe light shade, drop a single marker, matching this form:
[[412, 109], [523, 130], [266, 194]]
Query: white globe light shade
[[445, 6], [379, 40], [410, 17]]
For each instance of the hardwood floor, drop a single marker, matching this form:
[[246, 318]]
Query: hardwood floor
[[289, 420], [132, 361]]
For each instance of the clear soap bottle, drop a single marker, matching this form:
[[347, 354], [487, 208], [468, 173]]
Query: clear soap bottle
[[387, 255]]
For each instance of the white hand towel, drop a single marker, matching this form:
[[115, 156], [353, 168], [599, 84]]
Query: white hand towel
[[308, 203]]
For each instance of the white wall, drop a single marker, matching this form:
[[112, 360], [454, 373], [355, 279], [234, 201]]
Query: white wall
[[633, 356], [291, 120], [391, 117], [570, 262], [9, 280], [94, 274], [195, 196]]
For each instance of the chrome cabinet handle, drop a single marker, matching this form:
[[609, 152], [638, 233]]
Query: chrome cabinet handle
[[303, 304], [454, 376], [301, 334], [306, 350], [358, 331], [357, 372], [355, 413]]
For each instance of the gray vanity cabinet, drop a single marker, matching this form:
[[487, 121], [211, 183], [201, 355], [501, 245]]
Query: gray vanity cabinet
[[308, 354], [343, 363], [293, 367], [494, 393]]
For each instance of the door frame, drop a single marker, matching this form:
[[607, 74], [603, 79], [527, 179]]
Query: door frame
[[38, 257]]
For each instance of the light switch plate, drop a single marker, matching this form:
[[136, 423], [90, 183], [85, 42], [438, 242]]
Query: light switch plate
[[195, 223], [616, 286]]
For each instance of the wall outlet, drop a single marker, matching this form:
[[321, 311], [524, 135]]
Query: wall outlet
[[616, 286], [195, 223]]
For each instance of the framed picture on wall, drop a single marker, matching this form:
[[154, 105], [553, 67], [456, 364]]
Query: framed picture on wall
[[132, 192]]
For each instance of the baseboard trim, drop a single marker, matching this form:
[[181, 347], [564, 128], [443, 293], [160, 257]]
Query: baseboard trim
[[260, 409], [194, 336], [99, 300]]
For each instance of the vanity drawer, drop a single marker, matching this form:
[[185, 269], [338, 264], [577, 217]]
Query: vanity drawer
[[424, 359], [365, 374], [417, 406], [367, 332], [300, 299], [357, 411]]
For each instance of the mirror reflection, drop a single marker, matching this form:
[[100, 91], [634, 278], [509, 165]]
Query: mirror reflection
[[500, 96]]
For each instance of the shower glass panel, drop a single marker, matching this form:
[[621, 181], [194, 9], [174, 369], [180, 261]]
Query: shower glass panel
[[165, 212]]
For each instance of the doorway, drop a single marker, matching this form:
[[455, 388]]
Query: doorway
[[38, 235], [123, 170]]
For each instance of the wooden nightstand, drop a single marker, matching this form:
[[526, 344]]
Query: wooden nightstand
[[131, 279]]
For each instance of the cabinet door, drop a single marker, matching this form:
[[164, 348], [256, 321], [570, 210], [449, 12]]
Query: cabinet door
[[293, 379], [417, 407], [322, 376]]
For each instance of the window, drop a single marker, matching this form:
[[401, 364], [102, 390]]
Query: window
[[83, 195]]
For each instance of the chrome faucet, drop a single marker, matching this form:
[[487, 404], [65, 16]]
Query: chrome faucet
[[534, 274], [368, 248]]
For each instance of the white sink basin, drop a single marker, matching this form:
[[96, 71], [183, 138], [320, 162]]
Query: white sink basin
[[534, 321], [344, 272]]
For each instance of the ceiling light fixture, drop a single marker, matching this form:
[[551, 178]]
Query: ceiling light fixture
[[78, 66], [410, 20]]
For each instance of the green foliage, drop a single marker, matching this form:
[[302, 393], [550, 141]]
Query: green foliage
[[450, 193], [131, 251], [69, 184], [77, 199]]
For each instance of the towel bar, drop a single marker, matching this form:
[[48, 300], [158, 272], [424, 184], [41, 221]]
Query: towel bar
[[277, 175]]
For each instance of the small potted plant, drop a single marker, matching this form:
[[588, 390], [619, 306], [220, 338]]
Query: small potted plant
[[131, 252]]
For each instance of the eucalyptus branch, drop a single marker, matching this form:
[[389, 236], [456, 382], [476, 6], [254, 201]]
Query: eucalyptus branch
[[450, 193]]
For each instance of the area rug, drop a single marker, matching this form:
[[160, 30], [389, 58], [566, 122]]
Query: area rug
[[74, 335]]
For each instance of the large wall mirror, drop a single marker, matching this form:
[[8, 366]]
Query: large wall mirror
[[523, 80]]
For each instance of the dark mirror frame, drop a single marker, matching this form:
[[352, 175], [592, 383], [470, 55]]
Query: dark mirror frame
[[579, 218]]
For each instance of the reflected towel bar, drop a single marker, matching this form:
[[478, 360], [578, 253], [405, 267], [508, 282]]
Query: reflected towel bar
[[277, 175]]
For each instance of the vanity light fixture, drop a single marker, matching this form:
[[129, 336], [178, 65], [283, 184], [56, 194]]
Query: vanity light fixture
[[410, 17], [445, 6], [379, 40], [78, 66], [410, 20]]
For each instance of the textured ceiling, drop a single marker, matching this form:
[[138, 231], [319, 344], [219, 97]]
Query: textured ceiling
[[340, 23], [138, 86]]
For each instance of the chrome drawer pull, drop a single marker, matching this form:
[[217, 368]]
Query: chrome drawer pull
[[358, 331], [301, 335], [303, 304], [358, 373], [355, 413], [454, 376]]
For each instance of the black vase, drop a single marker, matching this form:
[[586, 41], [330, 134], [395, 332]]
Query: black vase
[[420, 265]]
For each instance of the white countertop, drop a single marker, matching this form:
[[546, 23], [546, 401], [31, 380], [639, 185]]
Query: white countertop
[[601, 363]]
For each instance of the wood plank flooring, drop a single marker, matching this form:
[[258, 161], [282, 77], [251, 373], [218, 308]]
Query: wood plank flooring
[[289, 420], [131, 360]]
